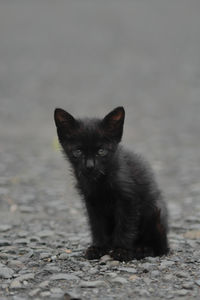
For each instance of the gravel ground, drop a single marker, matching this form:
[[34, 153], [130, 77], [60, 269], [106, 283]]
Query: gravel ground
[[89, 57]]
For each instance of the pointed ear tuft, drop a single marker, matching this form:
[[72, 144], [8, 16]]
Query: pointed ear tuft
[[113, 123], [63, 118], [66, 124]]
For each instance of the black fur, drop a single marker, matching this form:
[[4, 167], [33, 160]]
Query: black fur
[[127, 215]]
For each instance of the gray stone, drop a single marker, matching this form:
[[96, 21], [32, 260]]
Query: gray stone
[[45, 294], [128, 270], [111, 274], [92, 284], [152, 259], [93, 271], [4, 242], [63, 256], [26, 276], [63, 276], [45, 233], [5, 227], [34, 292], [146, 267], [168, 277], [188, 285], [114, 263], [52, 268], [71, 296], [144, 293], [21, 241], [44, 284], [6, 272], [15, 263], [120, 280], [45, 255], [56, 290], [197, 282], [155, 273], [53, 258], [23, 234], [105, 258], [25, 282], [148, 281], [15, 284], [182, 274], [182, 292], [166, 264]]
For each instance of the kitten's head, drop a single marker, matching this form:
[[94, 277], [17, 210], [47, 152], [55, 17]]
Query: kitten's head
[[90, 144]]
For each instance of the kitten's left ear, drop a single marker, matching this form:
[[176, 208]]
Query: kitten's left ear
[[63, 118], [113, 123]]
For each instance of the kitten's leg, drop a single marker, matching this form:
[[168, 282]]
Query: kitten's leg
[[160, 242], [153, 241], [101, 238], [124, 235]]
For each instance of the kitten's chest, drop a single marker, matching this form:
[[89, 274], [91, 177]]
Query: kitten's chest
[[103, 200]]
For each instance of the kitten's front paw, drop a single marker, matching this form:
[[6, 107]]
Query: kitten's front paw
[[142, 252], [94, 252], [121, 254]]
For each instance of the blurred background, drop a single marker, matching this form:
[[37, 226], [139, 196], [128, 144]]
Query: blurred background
[[87, 57]]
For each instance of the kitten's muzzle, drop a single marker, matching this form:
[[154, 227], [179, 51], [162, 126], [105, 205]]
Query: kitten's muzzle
[[89, 165]]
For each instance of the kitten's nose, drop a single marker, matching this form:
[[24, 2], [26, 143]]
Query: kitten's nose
[[89, 164]]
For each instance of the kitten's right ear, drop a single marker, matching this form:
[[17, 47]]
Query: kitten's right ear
[[64, 121], [63, 118]]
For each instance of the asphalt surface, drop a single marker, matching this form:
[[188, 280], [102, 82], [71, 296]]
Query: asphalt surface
[[89, 57]]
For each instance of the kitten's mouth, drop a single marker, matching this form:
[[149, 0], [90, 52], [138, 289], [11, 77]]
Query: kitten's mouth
[[93, 174]]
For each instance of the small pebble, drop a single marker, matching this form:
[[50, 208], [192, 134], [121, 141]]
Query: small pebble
[[56, 290], [92, 284], [114, 263], [182, 274], [34, 292], [15, 284], [147, 267], [120, 280], [105, 258], [197, 282], [63, 276], [133, 277], [4, 228], [6, 272], [155, 273], [182, 292], [45, 233], [168, 277], [144, 293], [128, 270], [63, 256], [45, 255], [4, 242], [166, 264], [45, 294], [44, 284], [188, 285]]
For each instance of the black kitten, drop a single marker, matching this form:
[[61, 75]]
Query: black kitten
[[127, 215]]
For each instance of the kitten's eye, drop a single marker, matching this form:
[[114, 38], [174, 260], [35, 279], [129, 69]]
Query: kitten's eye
[[77, 153], [102, 152]]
